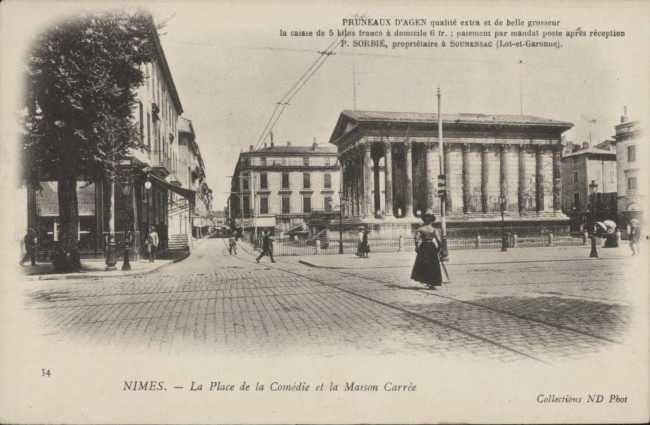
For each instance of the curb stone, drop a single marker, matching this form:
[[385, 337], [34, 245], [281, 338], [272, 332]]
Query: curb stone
[[99, 275]]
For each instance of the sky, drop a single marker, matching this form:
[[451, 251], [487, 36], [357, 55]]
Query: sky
[[231, 66]]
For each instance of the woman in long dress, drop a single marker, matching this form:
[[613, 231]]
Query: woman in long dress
[[427, 245]]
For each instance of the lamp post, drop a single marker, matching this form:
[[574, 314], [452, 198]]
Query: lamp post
[[110, 248], [442, 187], [125, 182], [504, 240], [593, 187]]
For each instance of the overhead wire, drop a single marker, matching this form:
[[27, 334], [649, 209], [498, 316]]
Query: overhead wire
[[291, 93]]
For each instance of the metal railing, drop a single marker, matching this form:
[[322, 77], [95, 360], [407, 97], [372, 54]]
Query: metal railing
[[161, 159], [522, 238]]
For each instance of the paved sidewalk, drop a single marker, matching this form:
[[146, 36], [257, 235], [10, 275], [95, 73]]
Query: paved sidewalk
[[463, 257], [95, 268]]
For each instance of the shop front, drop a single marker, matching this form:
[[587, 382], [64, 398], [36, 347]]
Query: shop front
[[43, 217]]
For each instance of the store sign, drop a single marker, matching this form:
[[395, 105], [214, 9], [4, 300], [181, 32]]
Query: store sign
[[47, 202]]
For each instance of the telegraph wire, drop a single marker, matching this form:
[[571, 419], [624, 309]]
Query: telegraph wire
[[284, 102], [306, 76]]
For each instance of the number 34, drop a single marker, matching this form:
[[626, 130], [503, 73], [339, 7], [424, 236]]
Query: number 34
[[45, 372]]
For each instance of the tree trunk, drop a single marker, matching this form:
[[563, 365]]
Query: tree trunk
[[66, 257]]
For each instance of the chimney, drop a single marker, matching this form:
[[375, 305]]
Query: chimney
[[271, 143], [585, 145], [250, 147], [288, 142], [624, 116], [314, 146], [264, 144]]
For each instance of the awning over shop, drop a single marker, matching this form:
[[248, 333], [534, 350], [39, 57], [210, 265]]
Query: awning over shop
[[185, 193]]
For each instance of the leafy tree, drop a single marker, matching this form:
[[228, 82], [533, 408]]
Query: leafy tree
[[81, 78]]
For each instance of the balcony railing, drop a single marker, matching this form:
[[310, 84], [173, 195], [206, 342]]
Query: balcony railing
[[160, 159]]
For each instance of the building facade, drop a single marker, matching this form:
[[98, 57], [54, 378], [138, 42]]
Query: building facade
[[589, 184], [146, 180], [631, 169], [280, 186], [192, 176], [486, 157]]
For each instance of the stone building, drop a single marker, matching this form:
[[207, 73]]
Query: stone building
[[146, 182], [586, 168], [192, 176], [278, 187], [632, 170], [390, 167]]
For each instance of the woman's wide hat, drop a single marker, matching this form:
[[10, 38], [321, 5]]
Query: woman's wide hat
[[429, 215]]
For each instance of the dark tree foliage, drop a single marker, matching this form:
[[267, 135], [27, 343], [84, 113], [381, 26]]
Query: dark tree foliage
[[82, 75]]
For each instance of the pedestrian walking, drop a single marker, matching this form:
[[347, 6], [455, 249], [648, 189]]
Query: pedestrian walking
[[232, 243], [267, 246], [360, 242], [31, 247], [635, 236], [152, 244], [426, 268], [365, 247]]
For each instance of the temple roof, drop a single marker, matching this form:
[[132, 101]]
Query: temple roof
[[350, 120], [451, 118]]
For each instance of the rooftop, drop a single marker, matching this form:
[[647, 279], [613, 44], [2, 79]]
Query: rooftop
[[591, 150], [303, 150], [421, 117]]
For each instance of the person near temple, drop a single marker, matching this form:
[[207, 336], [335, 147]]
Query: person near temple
[[426, 268]]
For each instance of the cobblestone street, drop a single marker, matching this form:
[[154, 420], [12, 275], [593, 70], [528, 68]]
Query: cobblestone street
[[541, 311]]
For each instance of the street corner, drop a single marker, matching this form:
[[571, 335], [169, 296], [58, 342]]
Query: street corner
[[96, 269]]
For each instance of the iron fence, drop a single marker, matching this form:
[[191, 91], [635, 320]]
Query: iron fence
[[523, 238]]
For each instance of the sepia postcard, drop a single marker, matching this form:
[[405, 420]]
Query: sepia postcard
[[324, 212]]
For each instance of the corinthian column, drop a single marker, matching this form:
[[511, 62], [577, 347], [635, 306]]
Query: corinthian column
[[388, 176], [367, 176], [485, 175], [466, 179], [408, 158], [503, 172], [448, 174], [432, 190], [557, 180], [539, 179]]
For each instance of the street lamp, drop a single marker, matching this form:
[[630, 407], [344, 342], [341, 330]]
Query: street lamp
[[442, 186], [504, 241], [126, 181], [593, 187], [110, 248]]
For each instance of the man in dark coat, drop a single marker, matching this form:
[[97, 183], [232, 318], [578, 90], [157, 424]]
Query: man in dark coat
[[31, 246], [267, 246], [635, 236]]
